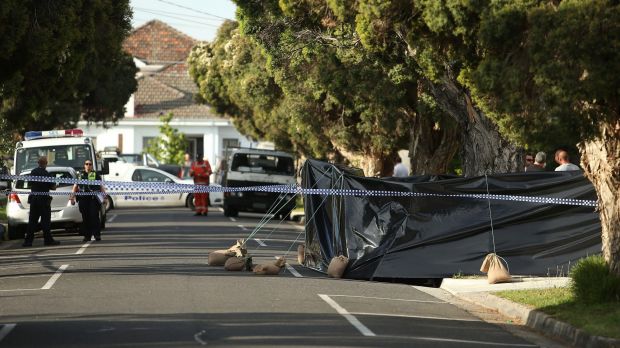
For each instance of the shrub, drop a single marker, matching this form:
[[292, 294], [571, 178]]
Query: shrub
[[592, 282]]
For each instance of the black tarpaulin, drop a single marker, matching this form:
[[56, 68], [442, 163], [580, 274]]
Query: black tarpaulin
[[399, 237]]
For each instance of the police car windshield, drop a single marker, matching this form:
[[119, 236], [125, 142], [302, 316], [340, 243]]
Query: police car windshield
[[57, 156], [265, 164]]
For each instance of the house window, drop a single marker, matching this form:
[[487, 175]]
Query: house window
[[145, 142]]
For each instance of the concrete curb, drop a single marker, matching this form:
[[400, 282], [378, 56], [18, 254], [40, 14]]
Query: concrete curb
[[538, 320]]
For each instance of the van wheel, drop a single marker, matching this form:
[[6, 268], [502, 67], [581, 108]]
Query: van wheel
[[17, 231], [230, 212]]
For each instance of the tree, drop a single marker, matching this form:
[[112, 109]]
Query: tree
[[170, 147], [541, 85], [63, 60], [330, 97]]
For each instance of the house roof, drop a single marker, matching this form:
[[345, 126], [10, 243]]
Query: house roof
[[156, 41], [170, 89]]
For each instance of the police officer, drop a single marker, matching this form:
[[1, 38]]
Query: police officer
[[40, 206], [90, 205], [200, 171]]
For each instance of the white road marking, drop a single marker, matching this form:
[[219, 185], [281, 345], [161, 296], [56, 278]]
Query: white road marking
[[453, 340], [54, 278], [260, 242], [6, 290], [242, 227], [412, 316], [6, 328], [388, 299], [111, 218], [198, 339], [233, 219], [292, 270], [352, 319], [83, 248]]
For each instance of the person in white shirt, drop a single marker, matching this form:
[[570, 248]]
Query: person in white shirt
[[561, 158], [399, 168]]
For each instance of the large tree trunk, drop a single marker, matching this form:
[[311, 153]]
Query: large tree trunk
[[600, 159], [483, 149], [432, 146]]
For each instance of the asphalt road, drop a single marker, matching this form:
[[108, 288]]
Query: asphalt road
[[147, 284]]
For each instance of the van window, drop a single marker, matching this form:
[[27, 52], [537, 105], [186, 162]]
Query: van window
[[57, 156], [266, 164]]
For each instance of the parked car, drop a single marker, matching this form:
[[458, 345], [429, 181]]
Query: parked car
[[64, 215], [130, 173], [146, 159]]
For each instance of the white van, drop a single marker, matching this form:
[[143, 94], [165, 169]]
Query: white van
[[258, 167]]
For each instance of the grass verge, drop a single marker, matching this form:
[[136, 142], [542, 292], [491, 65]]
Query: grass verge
[[601, 319]]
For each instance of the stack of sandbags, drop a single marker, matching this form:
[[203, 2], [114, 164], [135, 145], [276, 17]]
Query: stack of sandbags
[[270, 268], [337, 266], [495, 269], [219, 257]]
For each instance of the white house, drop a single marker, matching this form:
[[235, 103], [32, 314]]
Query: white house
[[164, 85]]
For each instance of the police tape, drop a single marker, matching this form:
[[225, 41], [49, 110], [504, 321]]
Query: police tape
[[150, 188]]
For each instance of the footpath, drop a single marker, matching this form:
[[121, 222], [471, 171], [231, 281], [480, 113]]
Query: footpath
[[478, 291]]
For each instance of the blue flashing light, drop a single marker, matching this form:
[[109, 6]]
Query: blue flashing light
[[30, 135]]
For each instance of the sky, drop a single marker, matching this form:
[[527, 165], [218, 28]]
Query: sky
[[199, 19]]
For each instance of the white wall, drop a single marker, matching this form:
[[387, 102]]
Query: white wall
[[134, 131]]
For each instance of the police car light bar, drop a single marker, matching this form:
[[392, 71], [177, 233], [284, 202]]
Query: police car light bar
[[53, 134]]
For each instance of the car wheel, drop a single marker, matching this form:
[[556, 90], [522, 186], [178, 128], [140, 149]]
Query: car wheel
[[108, 203], [191, 201], [17, 231]]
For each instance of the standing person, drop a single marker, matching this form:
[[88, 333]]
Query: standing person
[[40, 206], [561, 158], [539, 163], [201, 170], [399, 168], [90, 205], [186, 167], [529, 160]]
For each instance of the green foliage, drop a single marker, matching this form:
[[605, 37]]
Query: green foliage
[[294, 73], [171, 146], [61, 60], [593, 283], [542, 85]]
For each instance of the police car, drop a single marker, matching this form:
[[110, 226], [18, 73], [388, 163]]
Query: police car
[[64, 215], [127, 172]]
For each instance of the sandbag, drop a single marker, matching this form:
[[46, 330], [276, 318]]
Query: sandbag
[[337, 266], [235, 264], [238, 248], [219, 257], [301, 254], [267, 269], [280, 262], [495, 269], [270, 268]]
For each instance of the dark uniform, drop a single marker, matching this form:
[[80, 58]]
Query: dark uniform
[[40, 207], [90, 206]]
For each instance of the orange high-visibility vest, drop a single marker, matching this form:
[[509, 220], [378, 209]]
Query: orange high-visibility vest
[[200, 172]]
